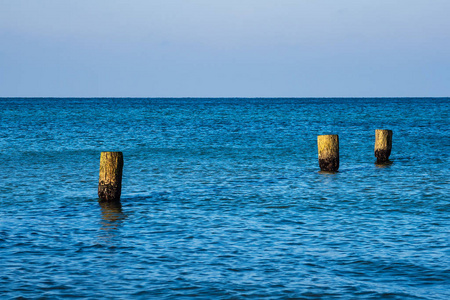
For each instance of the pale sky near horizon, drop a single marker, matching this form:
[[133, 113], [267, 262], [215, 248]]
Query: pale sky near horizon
[[245, 48]]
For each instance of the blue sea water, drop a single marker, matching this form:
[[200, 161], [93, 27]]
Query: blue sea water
[[223, 199]]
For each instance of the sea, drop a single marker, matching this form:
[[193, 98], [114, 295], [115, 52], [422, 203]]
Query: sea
[[223, 198]]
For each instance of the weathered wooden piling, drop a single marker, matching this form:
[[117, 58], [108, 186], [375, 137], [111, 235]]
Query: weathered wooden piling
[[328, 146], [110, 178], [383, 145]]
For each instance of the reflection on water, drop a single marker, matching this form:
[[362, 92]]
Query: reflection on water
[[383, 164], [112, 216], [327, 172]]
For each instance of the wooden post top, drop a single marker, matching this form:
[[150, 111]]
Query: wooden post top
[[383, 139], [328, 143]]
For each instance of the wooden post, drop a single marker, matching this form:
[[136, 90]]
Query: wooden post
[[328, 146], [383, 145], [110, 179]]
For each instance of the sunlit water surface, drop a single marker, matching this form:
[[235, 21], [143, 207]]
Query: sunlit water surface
[[223, 199]]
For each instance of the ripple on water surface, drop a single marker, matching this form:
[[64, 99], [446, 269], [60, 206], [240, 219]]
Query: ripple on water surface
[[223, 199]]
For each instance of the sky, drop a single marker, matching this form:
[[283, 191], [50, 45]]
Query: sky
[[232, 48]]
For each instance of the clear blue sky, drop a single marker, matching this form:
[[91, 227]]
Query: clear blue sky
[[232, 48]]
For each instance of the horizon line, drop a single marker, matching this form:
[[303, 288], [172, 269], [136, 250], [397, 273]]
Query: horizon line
[[232, 97]]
